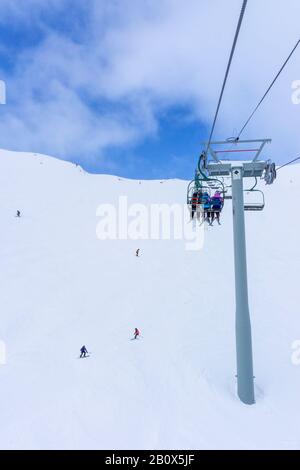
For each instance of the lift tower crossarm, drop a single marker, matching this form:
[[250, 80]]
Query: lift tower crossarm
[[257, 151]]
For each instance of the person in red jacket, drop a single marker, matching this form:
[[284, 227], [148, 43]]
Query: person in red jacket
[[136, 333], [194, 202]]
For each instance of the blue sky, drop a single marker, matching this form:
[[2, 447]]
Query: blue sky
[[129, 87]]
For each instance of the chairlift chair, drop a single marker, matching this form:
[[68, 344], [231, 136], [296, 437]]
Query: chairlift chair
[[258, 202]]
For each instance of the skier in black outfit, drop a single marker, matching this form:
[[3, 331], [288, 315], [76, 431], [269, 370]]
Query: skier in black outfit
[[18, 214], [83, 351]]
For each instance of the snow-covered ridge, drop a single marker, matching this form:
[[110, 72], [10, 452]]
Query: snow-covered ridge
[[61, 288]]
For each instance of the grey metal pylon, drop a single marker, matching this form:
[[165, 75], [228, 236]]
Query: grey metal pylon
[[242, 317]]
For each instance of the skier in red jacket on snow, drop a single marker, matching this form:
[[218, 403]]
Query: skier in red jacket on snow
[[136, 333]]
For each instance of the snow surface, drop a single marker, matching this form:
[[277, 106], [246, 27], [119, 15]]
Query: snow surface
[[175, 388]]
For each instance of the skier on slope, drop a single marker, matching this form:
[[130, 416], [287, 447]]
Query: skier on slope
[[83, 352], [136, 333], [137, 252], [18, 214]]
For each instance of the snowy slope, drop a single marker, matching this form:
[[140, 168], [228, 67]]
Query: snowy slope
[[61, 287]]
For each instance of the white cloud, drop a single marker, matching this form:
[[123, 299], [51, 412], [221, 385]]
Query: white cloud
[[139, 58]]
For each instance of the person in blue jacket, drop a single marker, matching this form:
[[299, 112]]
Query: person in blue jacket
[[217, 202], [83, 351]]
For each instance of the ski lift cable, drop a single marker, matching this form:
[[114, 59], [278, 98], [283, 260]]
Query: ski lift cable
[[227, 70], [288, 163], [269, 88]]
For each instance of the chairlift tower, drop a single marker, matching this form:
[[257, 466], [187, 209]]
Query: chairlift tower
[[237, 170]]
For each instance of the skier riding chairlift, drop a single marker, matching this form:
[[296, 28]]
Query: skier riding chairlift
[[216, 207], [194, 202], [206, 202]]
